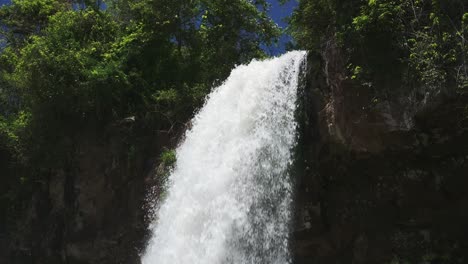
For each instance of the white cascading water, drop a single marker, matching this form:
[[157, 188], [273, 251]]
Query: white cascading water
[[229, 195]]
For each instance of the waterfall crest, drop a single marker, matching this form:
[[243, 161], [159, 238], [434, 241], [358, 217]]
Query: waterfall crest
[[229, 196]]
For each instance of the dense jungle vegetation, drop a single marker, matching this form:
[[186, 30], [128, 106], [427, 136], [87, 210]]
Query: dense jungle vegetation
[[390, 44], [67, 67]]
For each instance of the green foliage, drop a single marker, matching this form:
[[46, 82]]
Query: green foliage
[[417, 42], [168, 157], [65, 72], [11, 130], [70, 67], [312, 22], [26, 17]]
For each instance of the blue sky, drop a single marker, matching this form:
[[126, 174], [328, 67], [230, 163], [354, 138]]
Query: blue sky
[[277, 12]]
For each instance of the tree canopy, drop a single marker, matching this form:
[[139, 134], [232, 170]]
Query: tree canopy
[[70, 66], [417, 42]]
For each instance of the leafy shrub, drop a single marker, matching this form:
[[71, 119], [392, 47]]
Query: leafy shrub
[[168, 157]]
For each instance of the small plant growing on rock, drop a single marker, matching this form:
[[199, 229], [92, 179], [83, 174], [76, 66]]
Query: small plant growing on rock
[[168, 158]]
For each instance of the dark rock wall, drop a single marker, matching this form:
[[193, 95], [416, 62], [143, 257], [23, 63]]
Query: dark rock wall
[[92, 211], [382, 184]]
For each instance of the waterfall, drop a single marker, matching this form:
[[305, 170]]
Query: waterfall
[[229, 196]]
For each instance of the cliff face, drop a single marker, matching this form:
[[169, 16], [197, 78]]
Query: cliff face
[[382, 182], [92, 211], [378, 183]]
